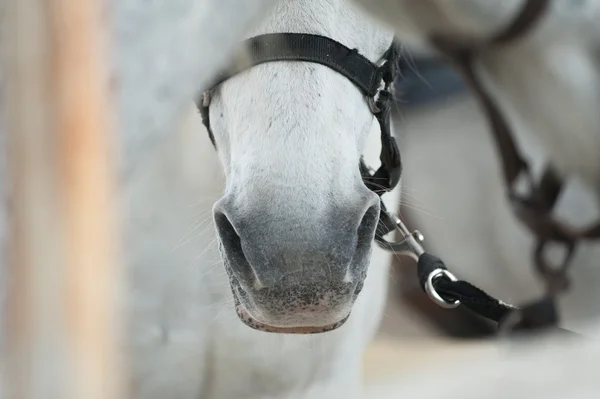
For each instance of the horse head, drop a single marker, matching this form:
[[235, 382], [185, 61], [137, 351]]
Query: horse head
[[296, 222]]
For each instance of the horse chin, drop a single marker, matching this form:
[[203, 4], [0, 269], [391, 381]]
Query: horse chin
[[246, 317], [251, 322]]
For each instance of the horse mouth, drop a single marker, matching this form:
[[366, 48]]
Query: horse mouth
[[246, 317], [251, 322]]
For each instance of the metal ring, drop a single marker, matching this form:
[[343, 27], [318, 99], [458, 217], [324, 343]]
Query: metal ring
[[435, 297], [373, 104]]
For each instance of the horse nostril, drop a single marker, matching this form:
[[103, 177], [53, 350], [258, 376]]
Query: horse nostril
[[232, 246], [331, 249], [367, 226]]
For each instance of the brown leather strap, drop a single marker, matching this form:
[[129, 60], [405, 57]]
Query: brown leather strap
[[462, 52], [534, 210], [529, 15]]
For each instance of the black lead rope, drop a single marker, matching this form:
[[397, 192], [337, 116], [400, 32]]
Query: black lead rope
[[435, 280], [451, 291], [447, 291]]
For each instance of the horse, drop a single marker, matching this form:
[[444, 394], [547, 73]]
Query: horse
[[254, 272], [287, 368]]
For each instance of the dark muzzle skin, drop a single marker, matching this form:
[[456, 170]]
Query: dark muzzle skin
[[301, 308], [295, 274]]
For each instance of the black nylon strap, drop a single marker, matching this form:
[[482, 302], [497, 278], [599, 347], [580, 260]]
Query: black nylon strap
[[475, 299], [536, 316], [311, 48]]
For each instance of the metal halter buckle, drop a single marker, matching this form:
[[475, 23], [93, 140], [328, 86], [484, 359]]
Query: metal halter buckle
[[409, 244], [372, 101]]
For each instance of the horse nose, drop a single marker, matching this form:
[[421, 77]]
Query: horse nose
[[266, 247]]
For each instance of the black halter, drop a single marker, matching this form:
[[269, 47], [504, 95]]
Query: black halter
[[375, 81]]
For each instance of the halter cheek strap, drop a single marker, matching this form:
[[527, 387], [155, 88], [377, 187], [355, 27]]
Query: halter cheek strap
[[375, 81]]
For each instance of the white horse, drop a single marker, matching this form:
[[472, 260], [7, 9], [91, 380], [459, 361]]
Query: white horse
[[176, 353], [294, 222], [188, 340]]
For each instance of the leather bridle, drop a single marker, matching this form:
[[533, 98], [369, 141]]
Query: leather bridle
[[375, 81]]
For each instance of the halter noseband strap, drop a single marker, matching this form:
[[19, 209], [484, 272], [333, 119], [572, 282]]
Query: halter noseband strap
[[309, 48], [375, 81]]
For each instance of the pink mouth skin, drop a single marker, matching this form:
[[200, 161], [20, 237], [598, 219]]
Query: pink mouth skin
[[253, 323]]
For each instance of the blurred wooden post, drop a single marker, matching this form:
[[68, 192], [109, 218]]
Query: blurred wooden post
[[61, 324]]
